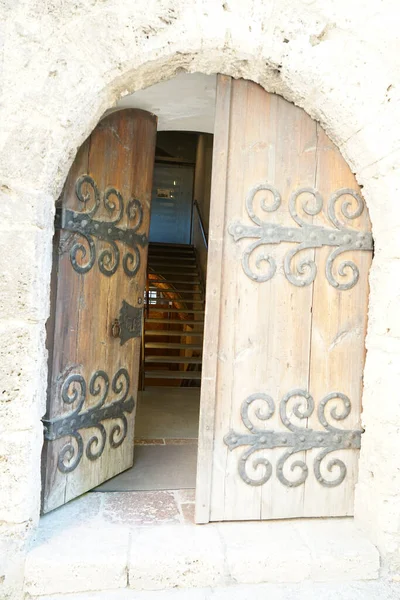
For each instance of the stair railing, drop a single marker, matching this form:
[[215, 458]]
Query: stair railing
[[201, 224]]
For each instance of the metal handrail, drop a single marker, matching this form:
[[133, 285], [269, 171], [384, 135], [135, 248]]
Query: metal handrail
[[203, 231]]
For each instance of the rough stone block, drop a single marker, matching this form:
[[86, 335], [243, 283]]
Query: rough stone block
[[262, 552], [176, 556], [20, 475], [13, 541], [78, 558], [339, 551], [23, 375], [25, 265], [24, 208]]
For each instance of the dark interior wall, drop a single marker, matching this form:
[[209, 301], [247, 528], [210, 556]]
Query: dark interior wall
[[202, 193], [177, 144]]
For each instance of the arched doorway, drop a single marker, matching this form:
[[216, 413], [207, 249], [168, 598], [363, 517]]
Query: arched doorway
[[295, 332]]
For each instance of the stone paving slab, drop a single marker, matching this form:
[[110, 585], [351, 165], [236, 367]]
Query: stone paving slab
[[371, 590]]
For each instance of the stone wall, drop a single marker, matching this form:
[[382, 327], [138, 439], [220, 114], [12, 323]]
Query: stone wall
[[65, 62]]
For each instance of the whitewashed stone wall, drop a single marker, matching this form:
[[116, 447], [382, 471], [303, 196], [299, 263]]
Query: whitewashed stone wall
[[65, 62]]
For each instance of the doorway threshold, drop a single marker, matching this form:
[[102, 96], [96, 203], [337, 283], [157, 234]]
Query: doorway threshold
[[148, 541]]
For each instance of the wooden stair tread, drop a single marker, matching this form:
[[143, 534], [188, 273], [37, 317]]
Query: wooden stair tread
[[172, 374], [166, 332], [173, 281], [175, 322], [176, 290], [166, 301], [163, 273], [189, 360], [173, 346], [161, 265], [162, 308], [173, 265]]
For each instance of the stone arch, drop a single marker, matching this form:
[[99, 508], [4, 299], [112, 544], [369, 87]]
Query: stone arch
[[87, 56]]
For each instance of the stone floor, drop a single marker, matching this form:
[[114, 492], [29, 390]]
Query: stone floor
[[157, 467], [165, 413], [166, 432]]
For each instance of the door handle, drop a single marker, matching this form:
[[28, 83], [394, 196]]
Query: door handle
[[115, 328]]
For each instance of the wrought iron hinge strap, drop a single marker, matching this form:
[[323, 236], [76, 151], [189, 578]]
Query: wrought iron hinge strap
[[305, 235], [74, 391], [87, 227], [295, 439]]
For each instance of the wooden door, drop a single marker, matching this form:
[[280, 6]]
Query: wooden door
[[287, 292], [98, 294]]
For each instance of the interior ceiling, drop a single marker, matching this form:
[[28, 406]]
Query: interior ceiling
[[184, 103]]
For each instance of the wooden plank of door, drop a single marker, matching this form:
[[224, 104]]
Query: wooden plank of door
[[339, 321], [260, 350], [119, 158], [213, 299]]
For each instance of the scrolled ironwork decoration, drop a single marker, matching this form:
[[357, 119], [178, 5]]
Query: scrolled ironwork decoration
[[74, 392], [87, 227], [294, 438], [306, 236]]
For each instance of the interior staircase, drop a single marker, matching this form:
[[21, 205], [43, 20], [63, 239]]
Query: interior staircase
[[172, 342]]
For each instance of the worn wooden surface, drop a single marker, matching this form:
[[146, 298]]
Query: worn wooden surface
[[274, 337], [120, 154], [213, 316]]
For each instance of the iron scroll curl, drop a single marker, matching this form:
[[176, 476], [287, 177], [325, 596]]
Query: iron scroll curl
[[294, 438], [87, 228], [258, 261], [74, 393]]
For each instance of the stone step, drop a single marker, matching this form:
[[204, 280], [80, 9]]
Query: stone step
[[96, 544], [361, 590]]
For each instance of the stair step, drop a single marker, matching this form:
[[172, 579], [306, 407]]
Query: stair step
[[163, 257], [189, 360], [162, 261], [166, 332], [186, 251], [161, 308], [174, 281], [172, 346], [171, 252], [169, 245], [174, 322], [165, 301], [176, 290], [167, 265], [166, 272], [172, 374]]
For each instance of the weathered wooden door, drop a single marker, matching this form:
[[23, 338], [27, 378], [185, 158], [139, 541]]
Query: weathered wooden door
[[98, 287], [287, 291]]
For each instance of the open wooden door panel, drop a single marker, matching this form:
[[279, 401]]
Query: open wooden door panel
[[98, 295], [287, 292]]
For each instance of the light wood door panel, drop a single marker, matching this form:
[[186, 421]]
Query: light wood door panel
[[287, 292]]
